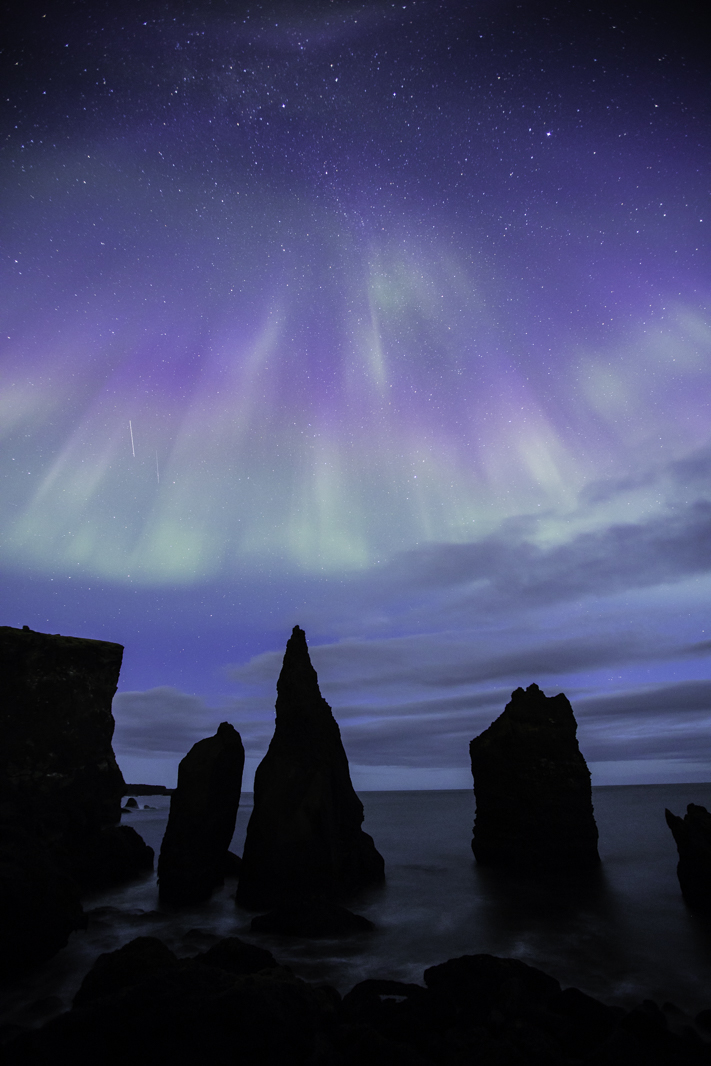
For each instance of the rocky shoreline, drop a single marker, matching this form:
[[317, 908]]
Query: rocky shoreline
[[305, 852], [235, 1004]]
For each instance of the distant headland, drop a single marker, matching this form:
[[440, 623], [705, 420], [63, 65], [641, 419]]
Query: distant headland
[[148, 790]]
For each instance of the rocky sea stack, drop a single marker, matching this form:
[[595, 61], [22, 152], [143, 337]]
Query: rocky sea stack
[[533, 797], [203, 810], [60, 790], [692, 835], [304, 838]]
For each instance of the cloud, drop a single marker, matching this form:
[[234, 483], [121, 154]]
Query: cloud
[[161, 720], [684, 696], [504, 568], [700, 648], [449, 660], [668, 721], [664, 721], [417, 701], [555, 657], [671, 721]]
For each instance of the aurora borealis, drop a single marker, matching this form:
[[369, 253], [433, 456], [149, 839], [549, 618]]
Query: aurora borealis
[[389, 320]]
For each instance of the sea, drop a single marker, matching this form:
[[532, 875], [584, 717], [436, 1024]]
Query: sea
[[622, 935]]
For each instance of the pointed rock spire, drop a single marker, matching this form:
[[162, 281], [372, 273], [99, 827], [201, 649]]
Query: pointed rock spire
[[304, 838]]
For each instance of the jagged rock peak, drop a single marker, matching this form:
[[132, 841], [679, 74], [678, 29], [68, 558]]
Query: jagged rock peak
[[297, 670], [692, 835], [532, 786], [304, 838], [300, 705]]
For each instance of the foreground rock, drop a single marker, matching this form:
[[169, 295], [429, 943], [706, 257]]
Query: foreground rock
[[60, 790], [40, 903], [533, 797], [203, 810], [304, 838], [312, 919], [692, 834], [235, 1004]]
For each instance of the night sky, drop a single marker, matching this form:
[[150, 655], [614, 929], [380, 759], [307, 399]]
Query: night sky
[[389, 320]]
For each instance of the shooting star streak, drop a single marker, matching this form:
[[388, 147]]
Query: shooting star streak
[[157, 474], [130, 430]]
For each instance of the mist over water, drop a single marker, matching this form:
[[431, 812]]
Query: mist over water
[[621, 935]]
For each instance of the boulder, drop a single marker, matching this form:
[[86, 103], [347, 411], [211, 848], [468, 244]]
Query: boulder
[[235, 1004], [203, 809], [142, 1005], [60, 788], [237, 956], [116, 970], [315, 918], [533, 797], [120, 855], [692, 835], [304, 838]]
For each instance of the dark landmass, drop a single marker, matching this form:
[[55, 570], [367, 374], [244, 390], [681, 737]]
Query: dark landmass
[[533, 797], [203, 810], [692, 835], [235, 1004], [314, 918], [304, 838], [147, 790], [60, 790]]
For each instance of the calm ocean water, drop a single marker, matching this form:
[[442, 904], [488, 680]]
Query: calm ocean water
[[622, 936]]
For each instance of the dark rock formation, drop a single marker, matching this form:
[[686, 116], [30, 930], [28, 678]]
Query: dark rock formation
[[238, 957], [115, 970], [692, 834], [235, 1004], [57, 766], [60, 788], [233, 865], [304, 838], [314, 918], [131, 803], [40, 903], [533, 797], [193, 856], [142, 1005], [119, 855]]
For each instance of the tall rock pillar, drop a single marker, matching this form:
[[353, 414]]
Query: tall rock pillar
[[203, 811], [533, 798], [304, 838]]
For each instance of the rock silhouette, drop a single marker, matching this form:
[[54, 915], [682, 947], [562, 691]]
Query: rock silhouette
[[60, 789], [533, 797], [203, 809], [235, 1004], [314, 918], [692, 835], [304, 838]]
